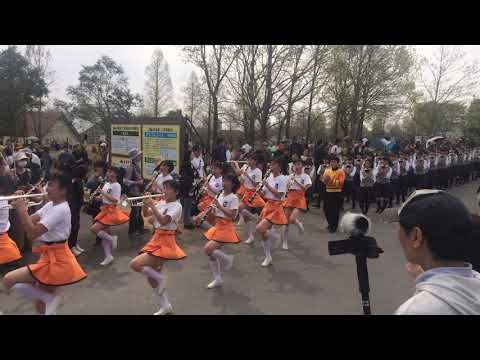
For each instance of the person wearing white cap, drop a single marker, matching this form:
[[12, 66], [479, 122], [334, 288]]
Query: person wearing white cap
[[23, 175], [133, 180]]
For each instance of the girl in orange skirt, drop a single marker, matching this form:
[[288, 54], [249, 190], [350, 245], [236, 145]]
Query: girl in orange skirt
[[57, 266], [272, 214], [162, 246], [213, 188], [250, 177], [109, 214], [223, 232], [8, 249], [298, 184]]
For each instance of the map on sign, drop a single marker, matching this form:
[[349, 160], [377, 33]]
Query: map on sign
[[163, 141], [125, 138]]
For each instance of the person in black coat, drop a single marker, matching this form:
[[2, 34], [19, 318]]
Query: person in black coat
[[187, 177], [220, 152]]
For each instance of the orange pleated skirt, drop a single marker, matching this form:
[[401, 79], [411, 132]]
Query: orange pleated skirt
[[223, 231], [257, 202], [163, 245], [8, 250], [241, 191], [110, 215], [295, 199], [57, 266], [204, 202], [273, 212]]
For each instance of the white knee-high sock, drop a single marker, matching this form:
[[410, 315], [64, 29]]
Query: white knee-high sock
[[285, 234], [156, 275], [163, 300], [215, 268], [33, 292], [220, 255], [267, 246], [107, 242]]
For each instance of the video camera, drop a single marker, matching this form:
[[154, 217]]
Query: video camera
[[361, 246]]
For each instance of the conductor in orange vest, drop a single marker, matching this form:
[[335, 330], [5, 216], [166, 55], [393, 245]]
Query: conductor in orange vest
[[333, 178]]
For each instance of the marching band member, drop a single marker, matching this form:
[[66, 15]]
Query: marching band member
[[442, 165], [197, 161], [382, 174], [420, 168], [223, 232], [298, 184], [251, 177], [166, 167], [395, 182], [348, 186], [9, 251], [75, 197], [213, 187], [275, 188], [321, 185], [57, 265], [109, 215], [162, 246], [367, 182], [333, 179]]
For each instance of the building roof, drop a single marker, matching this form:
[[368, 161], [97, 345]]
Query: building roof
[[48, 120]]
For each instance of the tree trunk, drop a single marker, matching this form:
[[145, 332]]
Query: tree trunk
[[216, 122], [280, 131], [209, 125]]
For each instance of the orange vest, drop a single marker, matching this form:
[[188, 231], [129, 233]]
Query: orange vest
[[337, 177]]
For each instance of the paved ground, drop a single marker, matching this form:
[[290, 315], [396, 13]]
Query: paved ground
[[303, 280]]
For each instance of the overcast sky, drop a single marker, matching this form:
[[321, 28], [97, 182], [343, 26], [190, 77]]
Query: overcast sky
[[68, 59]]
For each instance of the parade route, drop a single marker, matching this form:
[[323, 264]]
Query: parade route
[[304, 280]]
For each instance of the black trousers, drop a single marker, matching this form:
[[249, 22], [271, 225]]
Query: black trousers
[[136, 220], [331, 206], [73, 238]]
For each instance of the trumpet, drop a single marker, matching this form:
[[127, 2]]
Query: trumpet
[[236, 161], [135, 201], [16, 197]]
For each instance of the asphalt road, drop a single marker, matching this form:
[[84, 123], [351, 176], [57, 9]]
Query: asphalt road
[[303, 280]]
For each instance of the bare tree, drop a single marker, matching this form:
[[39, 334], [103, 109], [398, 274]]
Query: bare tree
[[215, 62], [193, 95], [448, 77], [158, 87], [40, 58]]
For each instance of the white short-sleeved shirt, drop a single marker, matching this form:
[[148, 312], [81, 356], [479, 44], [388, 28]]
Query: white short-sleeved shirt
[[57, 220], [198, 165], [279, 183], [303, 179], [256, 176], [160, 180], [173, 209], [230, 202], [215, 183], [113, 189], [4, 222]]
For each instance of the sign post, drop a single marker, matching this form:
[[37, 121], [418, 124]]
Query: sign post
[[155, 137]]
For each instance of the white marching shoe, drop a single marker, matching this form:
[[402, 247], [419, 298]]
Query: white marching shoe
[[75, 251], [250, 240], [114, 242], [267, 261], [166, 310], [79, 248], [215, 283], [284, 245], [108, 260]]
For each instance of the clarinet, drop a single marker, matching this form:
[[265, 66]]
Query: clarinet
[[204, 188], [95, 193], [209, 209], [260, 186]]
